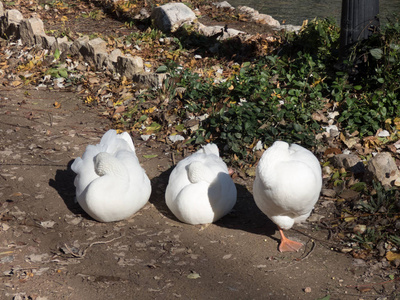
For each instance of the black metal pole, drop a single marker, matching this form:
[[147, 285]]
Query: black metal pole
[[359, 20]]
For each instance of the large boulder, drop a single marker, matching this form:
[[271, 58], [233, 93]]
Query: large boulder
[[350, 162], [95, 51], [383, 168], [255, 16], [47, 41], [28, 29], [171, 16], [2, 12], [79, 44], [129, 66], [9, 24], [220, 32]]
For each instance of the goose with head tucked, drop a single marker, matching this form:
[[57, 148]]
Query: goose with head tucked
[[110, 183], [287, 186], [200, 189]]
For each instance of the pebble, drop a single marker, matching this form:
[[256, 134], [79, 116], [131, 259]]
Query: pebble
[[384, 133], [7, 259]]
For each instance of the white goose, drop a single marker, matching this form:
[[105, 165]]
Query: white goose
[[110, 183], [200, 189], [287, 186]]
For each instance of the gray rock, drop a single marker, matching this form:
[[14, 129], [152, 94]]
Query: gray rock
[[79, 44], [350, 162], [223, 4], [171, 16], [143, 14], [290, 28], [92, 48], [383, 168], [152, 79], [100, 59], [255, 16], [214, 30], [63, 44], [10, 23], [2, 12], [129, 66], [47, 42], [113, 56], [28, 28], [111, 61]]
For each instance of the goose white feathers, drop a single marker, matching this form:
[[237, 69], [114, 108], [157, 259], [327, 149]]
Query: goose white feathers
[[110, 183], [287, 186], [200, 189]]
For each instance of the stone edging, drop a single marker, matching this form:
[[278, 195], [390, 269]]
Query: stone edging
[[168, 17]]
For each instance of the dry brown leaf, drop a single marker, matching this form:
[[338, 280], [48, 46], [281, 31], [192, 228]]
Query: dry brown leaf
[[57, 104], [16, 83], [120, 109], [334, 151], [390, 256]]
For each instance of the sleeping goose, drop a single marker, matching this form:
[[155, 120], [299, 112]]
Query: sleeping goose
[[287, 186], [200, 189], [110, 183]]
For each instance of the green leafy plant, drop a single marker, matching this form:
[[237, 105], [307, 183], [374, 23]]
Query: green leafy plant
[[378, 213], [370, 88]]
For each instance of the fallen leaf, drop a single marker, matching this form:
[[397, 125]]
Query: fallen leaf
[[57, 104], [47, 224], [390, 256], [16, 83], [120, 109], [364, 289], [193, 275], [332, 151], [150, 156]]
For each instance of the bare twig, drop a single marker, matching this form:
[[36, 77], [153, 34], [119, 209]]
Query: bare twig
[[297, 259], [51, 119], [323, 242], [173, 159], [72, 252], [90, 245]]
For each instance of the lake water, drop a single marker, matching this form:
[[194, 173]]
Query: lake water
[[295, 11]]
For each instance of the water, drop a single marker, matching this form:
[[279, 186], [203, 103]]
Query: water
[[295, 11]]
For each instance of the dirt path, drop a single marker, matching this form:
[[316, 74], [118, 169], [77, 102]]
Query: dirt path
[[50, 249]]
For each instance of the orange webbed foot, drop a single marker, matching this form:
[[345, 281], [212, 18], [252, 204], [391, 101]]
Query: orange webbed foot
[[287, 245]]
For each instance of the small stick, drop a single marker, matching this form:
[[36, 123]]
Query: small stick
[[297, 260], [90, 245], [173, 159], [101, 242], [51, 119]]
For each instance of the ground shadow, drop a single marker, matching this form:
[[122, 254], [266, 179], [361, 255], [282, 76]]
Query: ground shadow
[[246, 216], [63, 183], [157, 198]]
